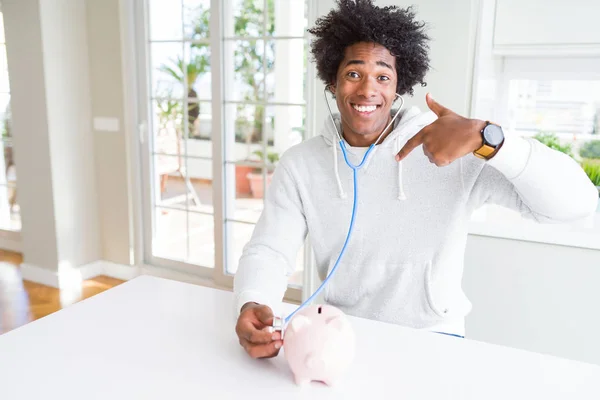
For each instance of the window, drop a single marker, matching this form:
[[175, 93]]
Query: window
[[568, 108], [557, 101], [225, 97], [9, 207]]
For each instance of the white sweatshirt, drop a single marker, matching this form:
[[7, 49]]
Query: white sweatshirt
[[404, 261]]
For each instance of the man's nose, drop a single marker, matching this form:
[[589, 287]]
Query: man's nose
[[367, 88]]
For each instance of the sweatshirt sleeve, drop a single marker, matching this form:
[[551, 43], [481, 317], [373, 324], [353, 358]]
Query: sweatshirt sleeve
[[541, 183], [269, 258]]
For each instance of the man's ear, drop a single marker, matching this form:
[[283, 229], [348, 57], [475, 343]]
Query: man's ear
[[332, 88]]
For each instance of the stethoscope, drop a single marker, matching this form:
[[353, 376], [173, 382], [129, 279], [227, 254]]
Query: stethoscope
[[279, 323]]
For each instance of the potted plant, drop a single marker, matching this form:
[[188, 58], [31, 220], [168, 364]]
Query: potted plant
[[592, 169], [256, 176], [242, 183], [590, 153], [551, 140]]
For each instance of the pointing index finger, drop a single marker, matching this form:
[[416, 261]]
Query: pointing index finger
[[410, 145]]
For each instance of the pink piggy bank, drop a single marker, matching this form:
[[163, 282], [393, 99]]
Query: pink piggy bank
[[319, 344]]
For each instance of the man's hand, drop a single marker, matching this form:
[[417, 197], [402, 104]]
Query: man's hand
[[448, 138], [253, 330]]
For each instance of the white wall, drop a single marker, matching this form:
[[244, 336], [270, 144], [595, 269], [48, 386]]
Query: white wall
[[110, 149], [534, 296], [49, 75], [66, 72], [548, 24], [31, 131]]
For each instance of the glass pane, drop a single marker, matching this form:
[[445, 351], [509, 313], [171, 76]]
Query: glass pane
[[285, 128], [2, 40], [284, 17], [4, 84], [286, 77], [170, 235], [197, 65], [165, 20], [200, 117], [555, 106], [10, 218], [5, 116], [244, 132], [183, 183], [170, 188], [196, 19], [3, 62], [202, 240], [243, 18], [199, 185], [167, 70], [244, 193], [244, 70], [238, 235], [167, 126]]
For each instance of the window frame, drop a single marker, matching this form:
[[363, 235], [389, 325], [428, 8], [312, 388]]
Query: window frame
[[145, 174], [544, 67]]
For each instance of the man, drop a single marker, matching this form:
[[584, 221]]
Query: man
[[404, 261]]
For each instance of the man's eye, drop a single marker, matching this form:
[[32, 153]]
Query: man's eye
[[353, 74], [384, 78]]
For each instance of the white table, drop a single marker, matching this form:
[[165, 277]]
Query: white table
[[151, 338]]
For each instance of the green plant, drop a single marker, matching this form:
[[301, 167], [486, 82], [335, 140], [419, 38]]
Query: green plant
[[169, 113], [271, 159], [592, 169], [590, 150], [198, 64], [552, 141], [252, 60]]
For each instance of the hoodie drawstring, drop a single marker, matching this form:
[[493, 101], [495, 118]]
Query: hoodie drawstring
[[341, 192], [401, 194]]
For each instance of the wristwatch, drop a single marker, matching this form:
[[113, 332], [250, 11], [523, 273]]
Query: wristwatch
[[493, 137]]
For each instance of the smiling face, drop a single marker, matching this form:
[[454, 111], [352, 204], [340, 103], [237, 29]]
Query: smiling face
[[365, 90]]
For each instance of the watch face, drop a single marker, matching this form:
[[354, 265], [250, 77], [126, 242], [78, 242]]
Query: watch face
[[493, 135]]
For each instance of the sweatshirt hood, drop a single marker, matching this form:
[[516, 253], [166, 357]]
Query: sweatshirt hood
[[409, 122]]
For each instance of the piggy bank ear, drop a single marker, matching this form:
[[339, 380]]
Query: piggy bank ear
[[298, 322], [336, 322]]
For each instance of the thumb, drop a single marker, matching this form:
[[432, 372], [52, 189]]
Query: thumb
[[264, 315], [434, 106]]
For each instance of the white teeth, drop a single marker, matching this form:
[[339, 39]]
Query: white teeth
[[364, 108]]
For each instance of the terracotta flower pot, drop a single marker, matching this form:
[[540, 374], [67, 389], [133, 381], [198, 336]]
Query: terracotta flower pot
[[256, 183], [242, 184]]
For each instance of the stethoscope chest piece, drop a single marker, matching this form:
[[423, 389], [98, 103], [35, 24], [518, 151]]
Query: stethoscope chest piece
[[278, 325]]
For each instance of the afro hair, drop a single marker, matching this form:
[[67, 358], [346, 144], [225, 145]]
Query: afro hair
[[361, 21]]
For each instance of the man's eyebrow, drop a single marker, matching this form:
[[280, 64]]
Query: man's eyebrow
[[350, 62], [361, 62], [384, 64]]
